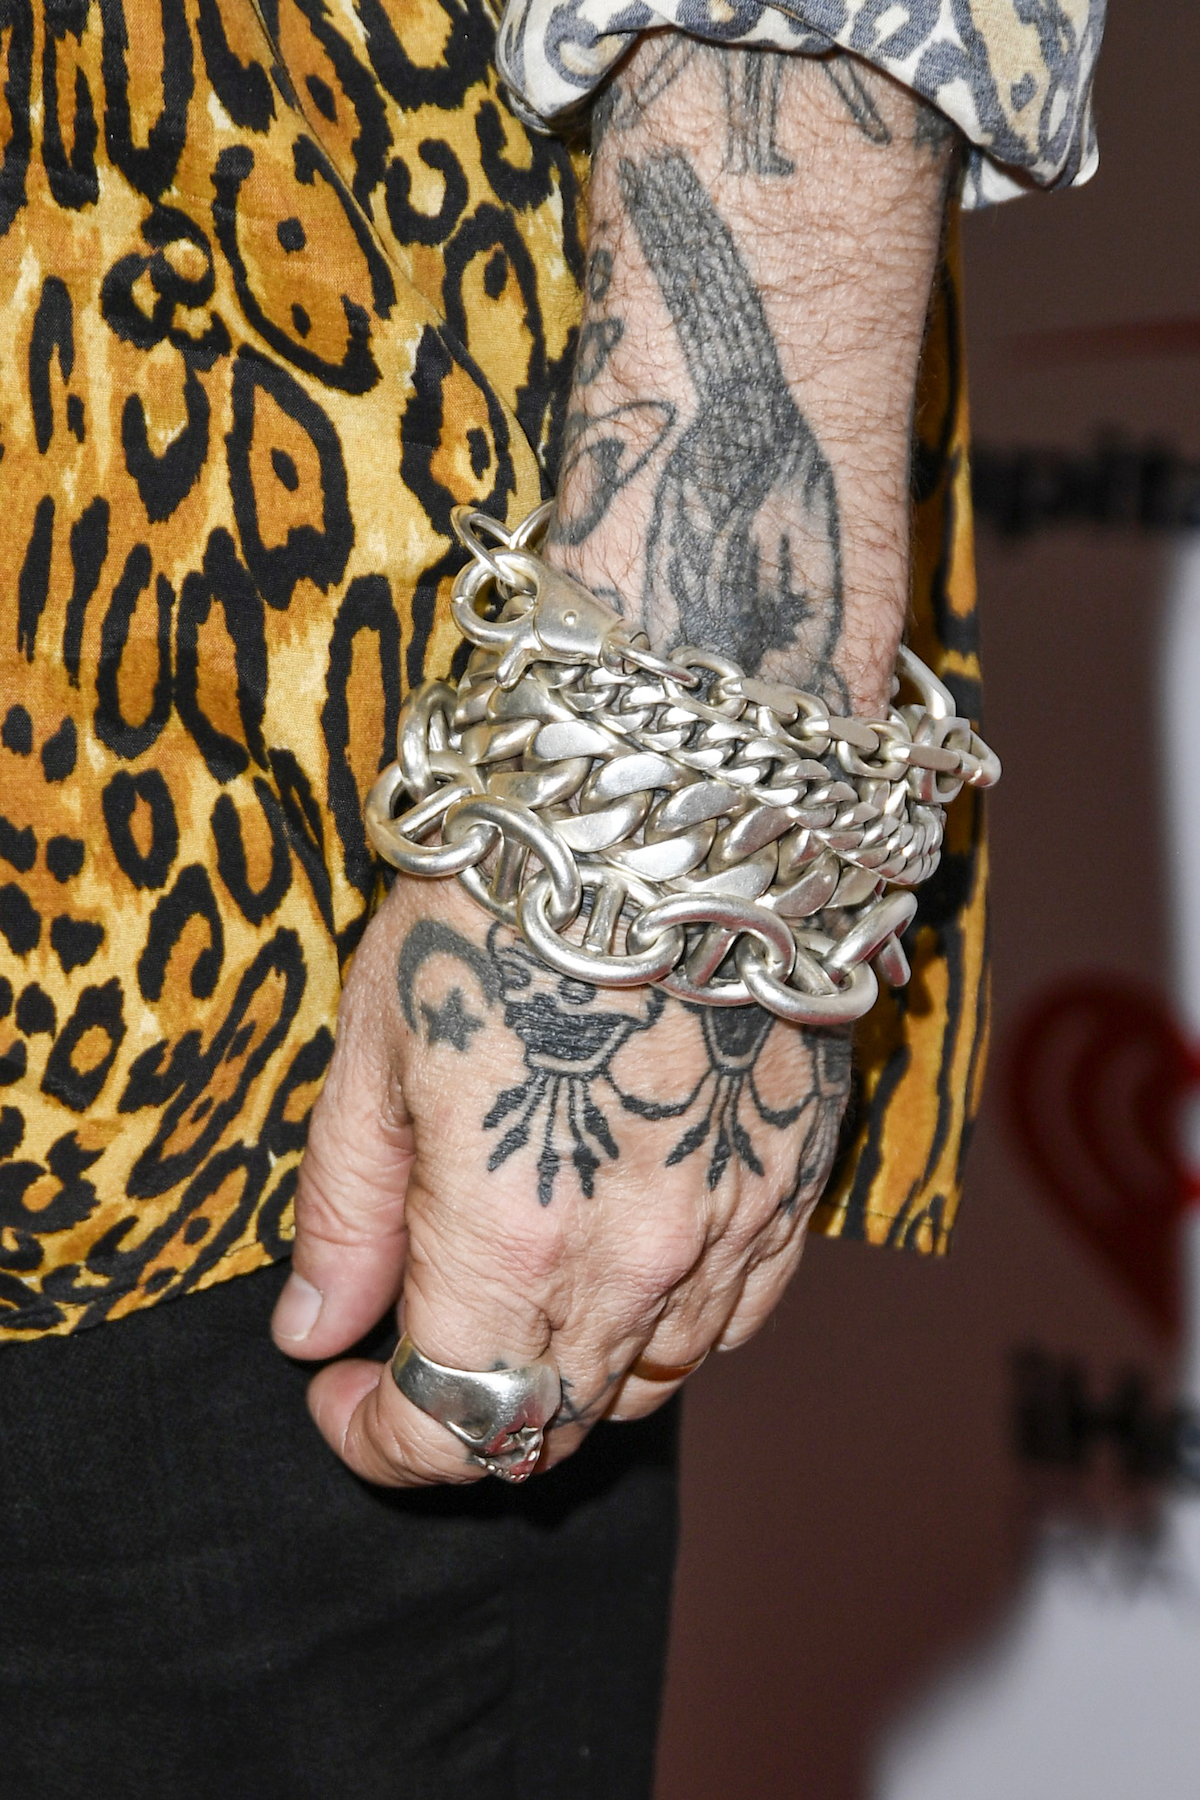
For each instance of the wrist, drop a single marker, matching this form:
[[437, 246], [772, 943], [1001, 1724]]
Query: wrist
[[860, 597]]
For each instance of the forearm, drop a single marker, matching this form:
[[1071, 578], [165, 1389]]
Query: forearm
[[763, 236]]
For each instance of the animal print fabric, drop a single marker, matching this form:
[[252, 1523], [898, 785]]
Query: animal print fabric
[[278, 286], [1014, 75]]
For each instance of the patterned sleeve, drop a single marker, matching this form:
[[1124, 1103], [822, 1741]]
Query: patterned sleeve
[[1014, 75]]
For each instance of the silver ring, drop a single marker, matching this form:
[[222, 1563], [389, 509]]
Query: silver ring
[[499, 1414]]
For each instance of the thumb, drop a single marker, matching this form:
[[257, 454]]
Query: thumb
[[348, 1260]]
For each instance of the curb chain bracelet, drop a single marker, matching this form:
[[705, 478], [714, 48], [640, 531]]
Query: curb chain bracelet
[[667, 819]]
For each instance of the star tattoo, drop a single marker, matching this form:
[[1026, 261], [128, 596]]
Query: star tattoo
[[450, 1022]]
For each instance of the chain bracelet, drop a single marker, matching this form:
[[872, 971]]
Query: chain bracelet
[[667, 819]]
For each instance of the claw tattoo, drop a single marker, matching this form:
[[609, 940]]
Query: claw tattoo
[[733, 1040], [571, 1034]]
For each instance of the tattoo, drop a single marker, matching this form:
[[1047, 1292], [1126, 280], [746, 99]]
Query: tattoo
[[846, 77], [597, 341], [450, 1022], [429, 937], [569, 1042], [831, 1052], [744, 543], [570, 1036], [599, 273], [602, 452], [582, 1412], [753, 80], [734, 1042], [622, 102]]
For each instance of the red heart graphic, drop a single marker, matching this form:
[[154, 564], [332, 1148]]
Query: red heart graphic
[[1097, 1079]]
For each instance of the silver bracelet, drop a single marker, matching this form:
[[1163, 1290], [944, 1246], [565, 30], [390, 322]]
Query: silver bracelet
[[640, 818]]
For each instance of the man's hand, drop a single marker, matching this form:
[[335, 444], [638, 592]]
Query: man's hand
[[618, 1177], [608, 1175]]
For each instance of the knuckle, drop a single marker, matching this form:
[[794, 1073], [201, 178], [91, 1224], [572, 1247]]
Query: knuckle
[[758, 1228], [476, 1290], [781, 1240], [529, 1256], [523, 1250], [664, 1253]]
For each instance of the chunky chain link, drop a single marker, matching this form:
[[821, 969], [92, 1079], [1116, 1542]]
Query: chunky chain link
[[667, 819]]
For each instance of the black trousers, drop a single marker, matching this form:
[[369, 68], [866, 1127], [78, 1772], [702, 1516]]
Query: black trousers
[[197, 1599]]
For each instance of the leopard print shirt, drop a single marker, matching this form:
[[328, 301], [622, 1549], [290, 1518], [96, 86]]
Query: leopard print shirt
[[1014, 75], [279, 285]]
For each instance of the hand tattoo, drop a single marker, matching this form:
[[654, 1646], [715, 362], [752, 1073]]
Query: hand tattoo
[[451, 1022], [570, 1036], [586, 1411], [569, 1040], [734, 1040], [831, 1056]]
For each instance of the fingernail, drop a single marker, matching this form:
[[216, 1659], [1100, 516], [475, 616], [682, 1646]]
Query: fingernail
[[297, 1309]]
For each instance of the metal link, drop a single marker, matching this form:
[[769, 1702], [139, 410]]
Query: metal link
[[601, 967], [713, 815], [728, 921], [849, 1003], [398, 841], [867, 936], [470, 522], [519, 825]]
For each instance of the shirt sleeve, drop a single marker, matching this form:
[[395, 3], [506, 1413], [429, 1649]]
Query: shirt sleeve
[[1014, 75]]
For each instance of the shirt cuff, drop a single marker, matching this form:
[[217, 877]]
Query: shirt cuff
[[1015, 78]]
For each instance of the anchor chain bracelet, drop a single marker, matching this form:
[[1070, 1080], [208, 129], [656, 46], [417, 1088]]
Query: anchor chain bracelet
[[667, 819]]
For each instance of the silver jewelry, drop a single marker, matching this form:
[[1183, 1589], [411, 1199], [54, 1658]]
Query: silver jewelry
[[673, 820], [499, 1414]]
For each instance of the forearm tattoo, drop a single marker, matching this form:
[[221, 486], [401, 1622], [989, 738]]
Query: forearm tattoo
[[744, 545], [743, 542], [853, 83], [753, 84], [752, 88], [570, 1110]]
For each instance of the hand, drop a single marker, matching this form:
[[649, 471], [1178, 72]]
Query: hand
[[536, 1164], [617, 1177]]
